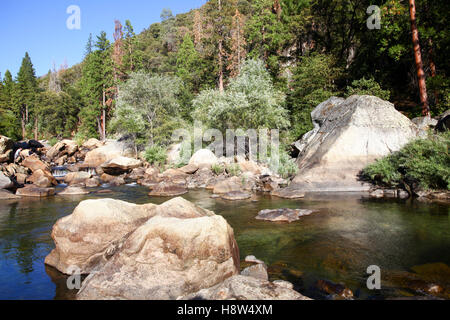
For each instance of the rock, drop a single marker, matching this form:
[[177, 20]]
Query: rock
[[166, 258], [175, 175], [35, 191], [42, 178], [378, 193], [182, 209], [167, 189], [94, 232], [245, 288], [6, 195], [34, 163], [253, 259], [5, 182], [402, 194], [77, 177], [425, 123], [283, 215], [249, 166], [92, 144], [7, 156], [258, 271], [228, 185], [288, 193], [21, 178], [236, 195], [189, 169], [61, 148], [443, 121], [61, 160], [348, 136], [284, 284], [93, 182], [117, 181], [112, 149], [202, 177], [120, 165], [70, 191], [203, 158], [335, 289], [137, 174], [5, 144]]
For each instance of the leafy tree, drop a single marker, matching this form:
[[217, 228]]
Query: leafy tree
[[250, 101], [367, 87]]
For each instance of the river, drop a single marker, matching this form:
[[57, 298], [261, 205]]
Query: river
[[345, 235]]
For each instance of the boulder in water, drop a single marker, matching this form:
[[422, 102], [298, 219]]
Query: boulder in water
[[167, 189], [120, 165], [5, 182], [283, 215], [35, 191]]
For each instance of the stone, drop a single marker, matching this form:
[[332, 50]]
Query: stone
[[61, 160], [228, 185], [167, 189], [7, 156], [425, 123], [120, 165], [77, 177], [236, 195], [202, 177], [91, 144], [5, 182], [443, 121], [189, 169], [70, 191], [402, 194], [258, 271], [35, 191], [249, 166], [112, 149], [34, 163], [378, 193], [61, 148], [21, 178], [203, 158], [284, 284], [6, 195], [253, 259], [349, 135], [283, 215], [182, 209], [93, 182], [335, 289], [173, 153], [5, 144], [136, 174], [288, 193], [246, 288], [165, 258], [42, 178], [95, 230]]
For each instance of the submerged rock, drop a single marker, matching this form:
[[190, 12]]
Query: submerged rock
[[258, 271], [232, 184], [71, 191], [236, 195], [283, 215], [6, 195], [288, 193], [349, 135], [334, 289], [246, 288]]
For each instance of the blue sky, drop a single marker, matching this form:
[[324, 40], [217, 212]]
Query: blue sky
[[39, 27]]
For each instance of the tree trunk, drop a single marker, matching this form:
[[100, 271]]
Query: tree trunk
[[432, 67], [418, 59], [36, 128], [103, 124], [24, 133], [220, 54]]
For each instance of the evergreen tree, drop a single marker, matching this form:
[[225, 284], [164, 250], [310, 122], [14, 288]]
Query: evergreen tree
[[88, 49]]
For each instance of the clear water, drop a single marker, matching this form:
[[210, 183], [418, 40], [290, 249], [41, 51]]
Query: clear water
[[338, 242]]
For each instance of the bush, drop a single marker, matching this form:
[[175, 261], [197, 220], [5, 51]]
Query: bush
[[79, 138], [155, 155], [423, 162], [217, 168], [233, 169], [52, 141], [287, 167], [368, 87]]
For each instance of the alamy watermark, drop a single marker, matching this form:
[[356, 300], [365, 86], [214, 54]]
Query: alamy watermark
[[374, 20], [73, 22], [374, 280]]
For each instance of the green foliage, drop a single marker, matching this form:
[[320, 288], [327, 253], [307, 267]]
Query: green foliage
[[314, 81], [367, 87], [287, 166], [233, 169], [217, 169], [185, 153], [425, 162], [156, 155], [52, 141], [250, 101]]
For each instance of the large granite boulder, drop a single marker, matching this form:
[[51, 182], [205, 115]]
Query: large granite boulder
[[241, 287], [348, 135], [34, 191], [112, 149], [5, 144], [42, 178], [77, 177], [168, 189], [62, 148], [6, 195], [443, 121], [94, 232], [165, 258], [120, 165], [228, 185]]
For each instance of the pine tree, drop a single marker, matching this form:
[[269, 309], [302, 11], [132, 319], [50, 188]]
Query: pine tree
[[26, 93], [9, 124], [88, 49]]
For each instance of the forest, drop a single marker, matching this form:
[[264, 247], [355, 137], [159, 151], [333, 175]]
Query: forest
[[235, 64]]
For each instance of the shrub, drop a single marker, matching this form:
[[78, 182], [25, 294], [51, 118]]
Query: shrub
[[52, 141], [217, 168], [424, 162], [79, 138], [233, 169], [287, 167], [368, 87], [155, 155]]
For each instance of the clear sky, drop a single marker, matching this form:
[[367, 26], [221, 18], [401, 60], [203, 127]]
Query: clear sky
[[39, 27]]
